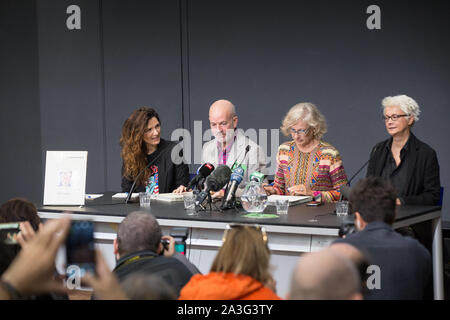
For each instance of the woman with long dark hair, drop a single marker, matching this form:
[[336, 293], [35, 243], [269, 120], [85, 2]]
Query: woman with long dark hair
[[141, 144]]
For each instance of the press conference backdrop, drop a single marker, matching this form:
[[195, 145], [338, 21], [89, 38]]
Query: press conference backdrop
[[70, 78]]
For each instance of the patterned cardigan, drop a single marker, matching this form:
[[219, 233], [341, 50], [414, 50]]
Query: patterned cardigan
[[321, 170]]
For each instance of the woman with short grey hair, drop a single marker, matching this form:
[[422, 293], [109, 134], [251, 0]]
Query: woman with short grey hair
[[410, 164], [307, 165]]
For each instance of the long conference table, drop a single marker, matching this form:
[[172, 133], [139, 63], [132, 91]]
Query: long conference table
[[303, 229]]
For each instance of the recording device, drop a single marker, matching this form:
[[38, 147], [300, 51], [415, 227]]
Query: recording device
[[257, 177], [230, 193], [80, 247], [9, 232], [180, 235], [165, 244], [347, 226], [169, 147], [214, 182], [202, 173]]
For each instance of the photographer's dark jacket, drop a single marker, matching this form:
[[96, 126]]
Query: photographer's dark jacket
[[418, 181], [171, 269], [404, 264]]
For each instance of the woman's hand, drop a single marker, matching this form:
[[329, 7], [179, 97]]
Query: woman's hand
[[26, 233], [300, 190], [180, 189], [105, 283], [32, 271], [269, 189]]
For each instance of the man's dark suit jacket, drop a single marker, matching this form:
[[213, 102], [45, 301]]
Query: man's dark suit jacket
[[404, 263], [423, 171]]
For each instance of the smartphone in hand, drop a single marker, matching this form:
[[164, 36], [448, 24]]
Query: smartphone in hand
[[80, 248]]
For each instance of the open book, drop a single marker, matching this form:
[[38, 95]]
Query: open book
[[293, 200]]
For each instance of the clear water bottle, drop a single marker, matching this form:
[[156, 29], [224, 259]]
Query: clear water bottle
[[254, 198]]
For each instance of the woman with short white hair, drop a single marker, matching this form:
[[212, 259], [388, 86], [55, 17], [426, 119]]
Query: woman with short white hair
[[307, 165], [410, 164]]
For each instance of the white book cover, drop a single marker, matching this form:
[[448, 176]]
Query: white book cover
[[65, 177]]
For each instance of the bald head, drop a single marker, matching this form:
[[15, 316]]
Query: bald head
[[348, 251], [360, 258], [223, 120], [325, 275], [223, 107]]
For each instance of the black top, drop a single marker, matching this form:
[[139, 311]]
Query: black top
[[170, 175], [397, 175], [404, 264], [422, 182], [174, 272]]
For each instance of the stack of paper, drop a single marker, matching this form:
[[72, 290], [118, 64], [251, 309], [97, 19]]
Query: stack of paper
[[293, 200], [170, 197]]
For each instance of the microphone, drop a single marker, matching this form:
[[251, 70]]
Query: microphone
[[146, 167], [257, 177], [245, 154], [235, 180], [202, 172], [345, 189], [218, 178]]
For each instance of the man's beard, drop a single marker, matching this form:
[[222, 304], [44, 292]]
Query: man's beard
[[228, 136]]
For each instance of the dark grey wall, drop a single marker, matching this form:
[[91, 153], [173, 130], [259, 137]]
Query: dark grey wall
[[265, 56], [20, 128], [71, 85], [142, 67]]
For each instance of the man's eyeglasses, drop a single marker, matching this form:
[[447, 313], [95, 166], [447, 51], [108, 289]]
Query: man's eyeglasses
[[252, 226], [299, 131], [394, 117], [220, 124]]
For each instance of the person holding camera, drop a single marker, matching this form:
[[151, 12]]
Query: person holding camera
[[401, 266], [138, 249]]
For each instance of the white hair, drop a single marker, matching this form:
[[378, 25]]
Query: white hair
[[407, 104], [307, 112]]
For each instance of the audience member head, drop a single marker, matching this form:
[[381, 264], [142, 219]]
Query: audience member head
[[141, 286], [18, 210], [325, 275], [373, 199], [358, 257], [138, 231], [223, 120], [244, 251]]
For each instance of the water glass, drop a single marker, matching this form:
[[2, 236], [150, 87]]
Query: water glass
[[342, 208], [282, 206], [144, 199], [189, 203]]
